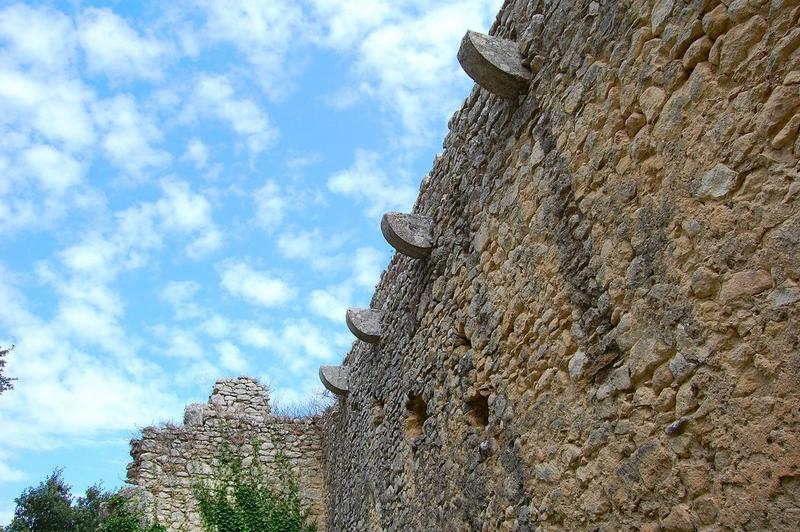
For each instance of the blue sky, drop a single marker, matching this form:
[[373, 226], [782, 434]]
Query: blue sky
[[193, 192]]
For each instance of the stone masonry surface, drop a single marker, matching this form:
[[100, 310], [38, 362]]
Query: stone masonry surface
[[605, 335], [169, 461]]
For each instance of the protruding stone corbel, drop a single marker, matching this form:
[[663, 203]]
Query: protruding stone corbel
[[365, 324], [335, 378], [410, 234], [495, 64]]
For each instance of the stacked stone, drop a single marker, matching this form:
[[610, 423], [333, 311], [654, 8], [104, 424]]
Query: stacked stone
[[604, 334], [170, 461]]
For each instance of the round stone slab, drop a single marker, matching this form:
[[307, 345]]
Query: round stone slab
[[495, 64], [334, 378], [410, 234], [365, 324]]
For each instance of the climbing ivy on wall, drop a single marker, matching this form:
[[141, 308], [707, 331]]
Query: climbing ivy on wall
[[242, 496]]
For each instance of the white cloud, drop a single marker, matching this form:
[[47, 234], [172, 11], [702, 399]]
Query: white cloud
[[196, 153], [181, 209], [405, 56], [331, 302], [180, 294], [299, 343], [8, 473], [346, 22], [301, 245], [55, 402], [215, 97], [263, 31], [253, 286], [367, 182], [216, 326], [130, 136], [368, 263], [55, 107], [179, 342], [55, 169], [231, 358], [114, 48], [40, 37], [271, 206], [205, 244]]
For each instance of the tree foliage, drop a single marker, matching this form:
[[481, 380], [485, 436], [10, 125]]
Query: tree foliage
[[51, 507], [5, 382]]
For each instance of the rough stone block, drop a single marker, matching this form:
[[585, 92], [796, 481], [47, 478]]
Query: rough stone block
[[193, 415], [365, 324], [410, 234], [335, 378], [495, 64]]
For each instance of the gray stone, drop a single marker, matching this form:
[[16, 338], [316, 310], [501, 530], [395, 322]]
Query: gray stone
[[193, 414], [717, 183], [410, 234], [577, 365], [495, 64], [335, 378], [784, 296], [365, 324]]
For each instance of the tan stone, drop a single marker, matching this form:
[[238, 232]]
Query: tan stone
[[787, 135], [745, 283], [651, 101], [678, 520], [697, 52], [704, 282], [740, 43], [716, 22], [783, 101], [634, 123]]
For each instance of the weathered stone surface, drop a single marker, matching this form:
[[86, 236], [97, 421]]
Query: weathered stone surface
[[697, 52], [741, 43], [782, 103], [169, 461], [410, 234], [716, 22], [193, 414], [746, 283], [651, 101], [335, 379], [717, 183], [365, 324], [495, 64]]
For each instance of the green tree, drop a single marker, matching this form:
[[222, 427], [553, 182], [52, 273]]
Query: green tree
[[50, 507], [5, 382], [45, 508], [88, 512]]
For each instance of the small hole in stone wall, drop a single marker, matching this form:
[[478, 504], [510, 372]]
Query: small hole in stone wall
[[478, 411], [378, 412], [417, 414], [461, 337]]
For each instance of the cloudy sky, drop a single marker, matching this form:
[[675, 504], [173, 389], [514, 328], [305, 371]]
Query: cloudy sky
[[193, 192]]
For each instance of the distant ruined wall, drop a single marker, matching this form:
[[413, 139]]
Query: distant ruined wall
[[606, 334], [168, 462]]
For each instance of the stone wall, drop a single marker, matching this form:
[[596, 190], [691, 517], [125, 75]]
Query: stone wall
[[606, 334], [168, 462]]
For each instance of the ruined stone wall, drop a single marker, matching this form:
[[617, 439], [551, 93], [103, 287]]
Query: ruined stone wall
[[605, 336], [169, 462]]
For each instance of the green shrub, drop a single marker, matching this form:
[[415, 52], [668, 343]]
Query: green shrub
[[49, 507], [248, 499]]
